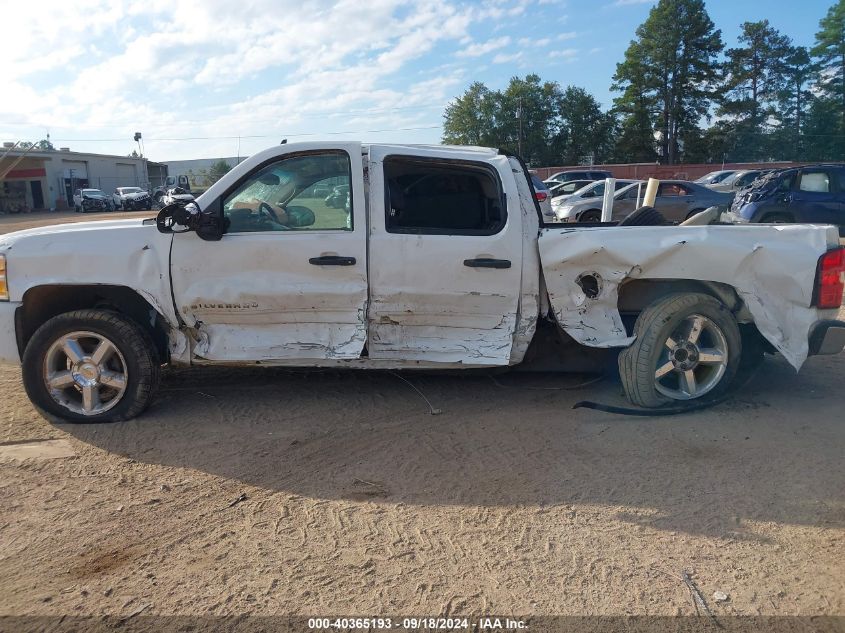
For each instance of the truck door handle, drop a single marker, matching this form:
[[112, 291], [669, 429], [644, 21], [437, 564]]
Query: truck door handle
[[486, 262], [332, 260]]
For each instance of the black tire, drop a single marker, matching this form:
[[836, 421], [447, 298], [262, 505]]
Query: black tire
[[142, 365], [590, 215], [654, 326], [778, 218], [644, 216]]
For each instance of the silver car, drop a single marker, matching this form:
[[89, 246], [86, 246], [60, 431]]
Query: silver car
[[739, 180], [587, 201]]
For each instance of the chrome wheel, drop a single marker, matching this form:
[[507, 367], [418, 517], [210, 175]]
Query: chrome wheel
[[85, 373], [693, 359]]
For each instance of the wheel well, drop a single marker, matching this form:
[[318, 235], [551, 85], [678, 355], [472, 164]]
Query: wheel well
[[777, 214], [636, 294], [42, 303]]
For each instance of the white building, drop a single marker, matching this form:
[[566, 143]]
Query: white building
[[46, 179]]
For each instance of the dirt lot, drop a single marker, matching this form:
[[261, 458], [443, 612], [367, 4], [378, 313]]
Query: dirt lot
[[355, 500]]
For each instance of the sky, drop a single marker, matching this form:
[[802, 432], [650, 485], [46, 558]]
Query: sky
[[208, 78]]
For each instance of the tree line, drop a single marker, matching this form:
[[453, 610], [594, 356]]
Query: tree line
[[682, 96]]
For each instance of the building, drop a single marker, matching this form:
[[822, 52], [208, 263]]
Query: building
[[46, 179]]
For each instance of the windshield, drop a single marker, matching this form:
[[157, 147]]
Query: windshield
[[92, 192], [131, 190]]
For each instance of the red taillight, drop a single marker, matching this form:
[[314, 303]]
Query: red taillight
[[830, 279], [541, 196]]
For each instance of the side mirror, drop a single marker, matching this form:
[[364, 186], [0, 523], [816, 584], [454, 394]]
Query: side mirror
[[300, 216], [189, 217]]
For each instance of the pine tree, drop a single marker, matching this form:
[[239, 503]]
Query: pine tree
[[671, 64]]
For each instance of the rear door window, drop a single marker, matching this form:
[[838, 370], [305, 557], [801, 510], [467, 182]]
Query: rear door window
[[442, 197], [816, 181]]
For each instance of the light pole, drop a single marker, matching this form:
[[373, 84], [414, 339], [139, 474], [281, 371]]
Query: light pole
[[140, 140]]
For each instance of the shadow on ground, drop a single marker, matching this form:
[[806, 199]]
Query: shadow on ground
[[771, 453]]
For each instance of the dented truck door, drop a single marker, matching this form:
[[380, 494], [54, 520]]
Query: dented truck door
[[445, 257], [288, 280]]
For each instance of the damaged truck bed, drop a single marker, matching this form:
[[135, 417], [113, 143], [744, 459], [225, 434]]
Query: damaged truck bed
[[419, 257]]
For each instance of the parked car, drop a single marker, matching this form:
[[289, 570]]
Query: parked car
[[584, 201], [563, 189], [129, 198], [813, 193], [580, 174], [176, 195], [85, 200], [447, 265], [338, 197], [738, 180], [714, 177], [541, 193]]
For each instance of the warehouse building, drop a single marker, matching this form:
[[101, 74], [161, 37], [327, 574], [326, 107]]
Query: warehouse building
[[46, 179]]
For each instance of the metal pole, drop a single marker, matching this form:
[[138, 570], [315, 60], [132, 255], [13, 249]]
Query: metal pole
[[607, 202]]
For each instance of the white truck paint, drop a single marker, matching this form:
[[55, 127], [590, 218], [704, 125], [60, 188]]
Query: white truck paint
[[409, 300]]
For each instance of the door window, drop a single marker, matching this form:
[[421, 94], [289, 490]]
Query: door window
[[668, 189], [305, 192], [442, 198], [815, 181]]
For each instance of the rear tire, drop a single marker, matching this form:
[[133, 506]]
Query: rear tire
[[688, 345], [90, 366]]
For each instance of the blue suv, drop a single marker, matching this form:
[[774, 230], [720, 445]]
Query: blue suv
[[812, 194]]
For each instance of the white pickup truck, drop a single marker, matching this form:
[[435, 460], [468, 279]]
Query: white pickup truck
[[441, 260]]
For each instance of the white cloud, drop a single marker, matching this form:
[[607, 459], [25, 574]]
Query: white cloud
[[482, 48]]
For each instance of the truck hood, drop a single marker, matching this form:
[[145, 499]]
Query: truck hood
[[130, 253], [74, 230]]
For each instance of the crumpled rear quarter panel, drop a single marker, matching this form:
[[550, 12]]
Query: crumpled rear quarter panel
[[772, 268]]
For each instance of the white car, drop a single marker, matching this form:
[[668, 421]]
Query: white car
[[85, 200], [570, 208], [128, 198]]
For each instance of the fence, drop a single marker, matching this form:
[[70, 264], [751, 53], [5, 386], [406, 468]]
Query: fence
[[689, 171]]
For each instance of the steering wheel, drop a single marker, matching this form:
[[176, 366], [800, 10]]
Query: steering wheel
[[266, 208]]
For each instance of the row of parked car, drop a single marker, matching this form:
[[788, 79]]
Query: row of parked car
[[126, 198], [813, 194]]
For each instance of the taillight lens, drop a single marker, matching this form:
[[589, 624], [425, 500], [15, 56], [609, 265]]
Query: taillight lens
[[541, 196], [830, 279], [4, 288]]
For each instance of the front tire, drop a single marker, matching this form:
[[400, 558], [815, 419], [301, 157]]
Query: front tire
[[688, 345], [591, 215], [90, 366]]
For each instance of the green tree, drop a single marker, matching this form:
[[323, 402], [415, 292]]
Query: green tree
[[526, 118], [636, 108], [754, 80], [583, 132], [535, 118], [471, 118], [793, 100], [830, 50], [671, 63], [216, 171]]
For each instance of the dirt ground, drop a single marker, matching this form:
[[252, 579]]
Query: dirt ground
[[329, 493]]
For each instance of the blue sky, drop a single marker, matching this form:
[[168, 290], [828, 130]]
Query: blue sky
[[193, 75]]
